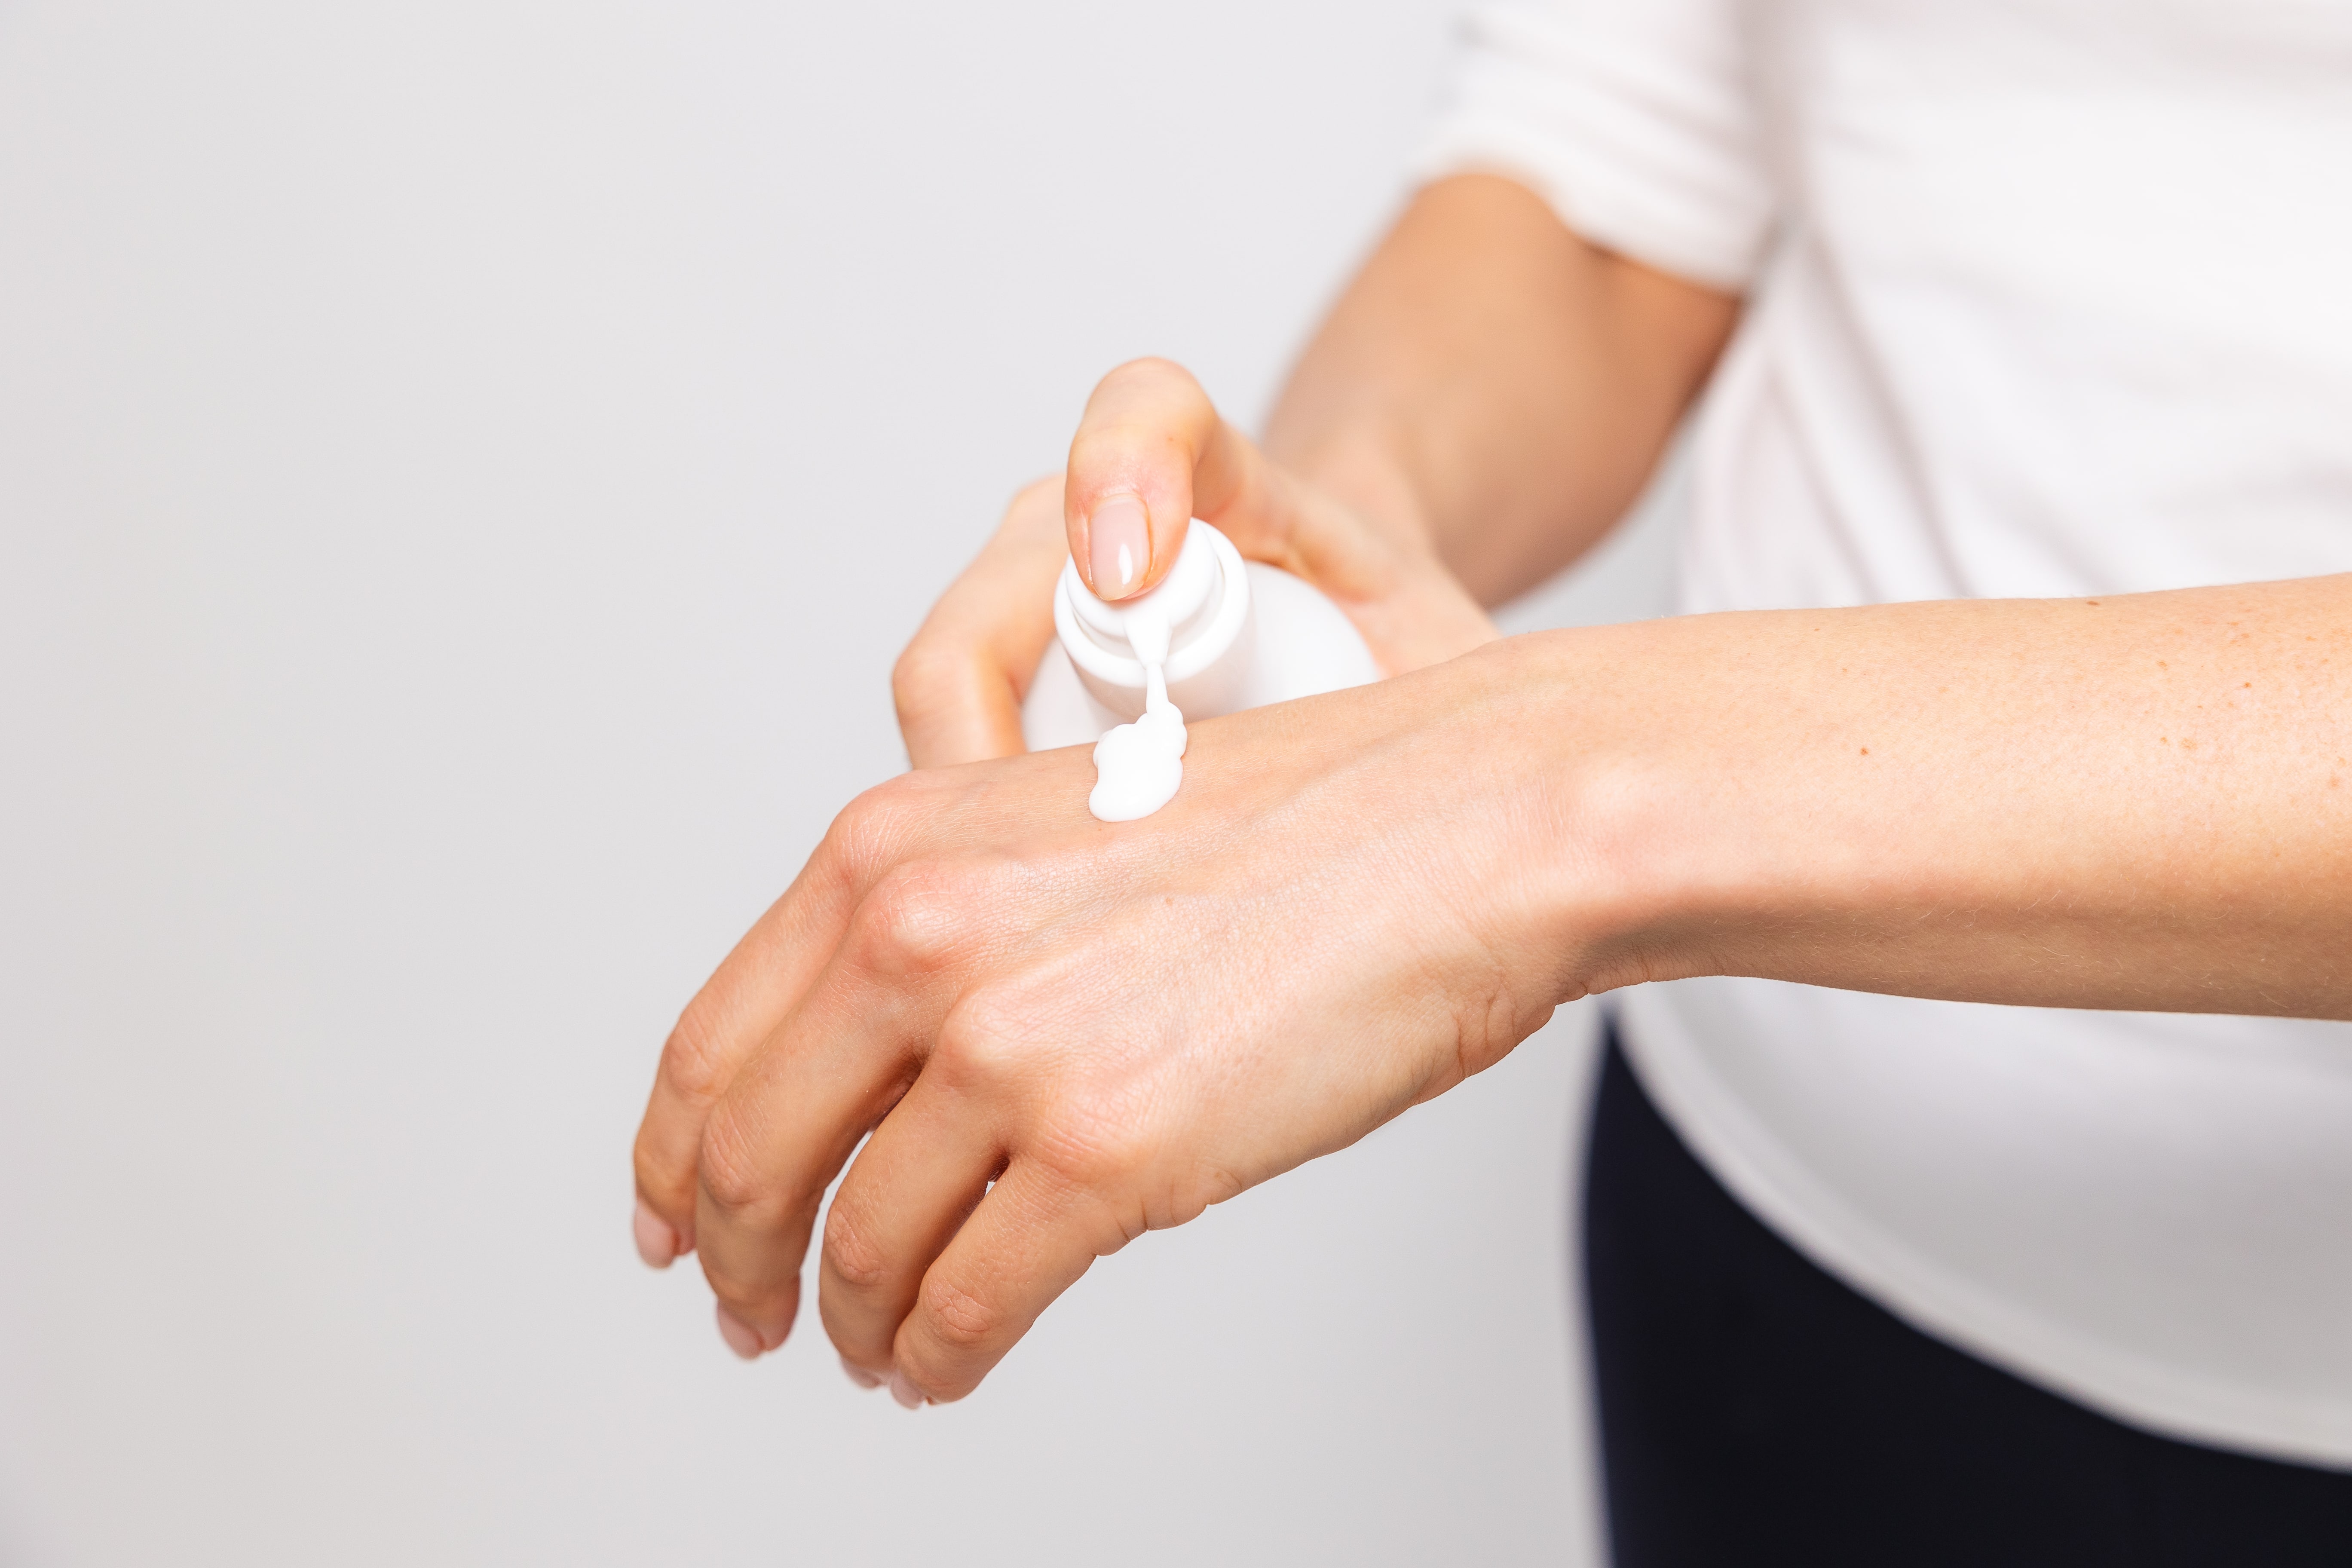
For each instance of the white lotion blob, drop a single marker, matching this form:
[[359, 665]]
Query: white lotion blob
[[1216, 635], [1138, 766]]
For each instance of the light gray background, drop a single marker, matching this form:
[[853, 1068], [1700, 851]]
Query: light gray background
[[464, 470]]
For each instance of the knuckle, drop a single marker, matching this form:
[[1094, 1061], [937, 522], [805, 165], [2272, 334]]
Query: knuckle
[[987, 1042], [872, 829], [1093, 1152], [961, 1322], [692, 1057], [728, 1164], [851, 1252], [911, 920]]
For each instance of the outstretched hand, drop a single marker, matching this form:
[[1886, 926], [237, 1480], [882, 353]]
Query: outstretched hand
[[1061, 1032]]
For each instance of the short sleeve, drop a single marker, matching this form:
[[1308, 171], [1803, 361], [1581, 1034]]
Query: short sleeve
[[1636, 120]]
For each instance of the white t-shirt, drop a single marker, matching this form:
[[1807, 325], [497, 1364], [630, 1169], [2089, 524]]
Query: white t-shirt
[[2044, 300]]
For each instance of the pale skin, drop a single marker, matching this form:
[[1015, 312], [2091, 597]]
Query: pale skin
[[1062, 1033]]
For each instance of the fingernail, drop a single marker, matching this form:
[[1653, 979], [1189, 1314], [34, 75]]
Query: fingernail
[[656, 1243], [740, 1337], [860, 1376], [904, 1392], [1119, 541]]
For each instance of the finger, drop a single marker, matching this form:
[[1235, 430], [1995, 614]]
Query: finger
[[827, 1076], [1151, 454], [737, 1008], [912, 1185], [751, 995], [1386, 576], [1135, 468], [1032, 1237], [768, 1151], [960, 684]]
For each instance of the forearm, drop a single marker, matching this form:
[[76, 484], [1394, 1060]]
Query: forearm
[[2139, 801], [1496, 382]]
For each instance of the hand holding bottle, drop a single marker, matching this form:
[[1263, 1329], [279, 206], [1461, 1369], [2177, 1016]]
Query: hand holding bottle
[[1151, 454]]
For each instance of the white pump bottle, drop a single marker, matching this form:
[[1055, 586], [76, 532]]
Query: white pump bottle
[[1240, 634]]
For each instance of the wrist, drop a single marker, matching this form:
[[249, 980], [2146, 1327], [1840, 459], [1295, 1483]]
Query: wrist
[[1633, 849], [1960, 800], [1572, 875]]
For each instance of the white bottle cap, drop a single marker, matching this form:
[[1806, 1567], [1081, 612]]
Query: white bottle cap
[[1197, 620]]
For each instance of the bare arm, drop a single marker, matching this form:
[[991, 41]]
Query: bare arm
[[2135, 802], [1498, 379]]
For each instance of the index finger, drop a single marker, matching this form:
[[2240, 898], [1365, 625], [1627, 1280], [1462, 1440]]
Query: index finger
[[754, 989], [1153, 453], [1150, 454]]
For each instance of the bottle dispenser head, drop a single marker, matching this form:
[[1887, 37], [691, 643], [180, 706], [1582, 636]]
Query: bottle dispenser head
[[1197, 621]]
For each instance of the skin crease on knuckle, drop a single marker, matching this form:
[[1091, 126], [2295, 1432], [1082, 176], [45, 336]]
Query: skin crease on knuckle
[[850, 1256], [876, 830], [1137, 1183], [1033, 1055], [963, 1324], [1004, 1045], [913, 921], [692, 1060], [1131, 1111], [949, 1344], [729, 1169], [768, 1304]]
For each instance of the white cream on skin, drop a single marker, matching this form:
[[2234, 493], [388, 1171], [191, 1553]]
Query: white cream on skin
[[1218, 634], [1138, 766]]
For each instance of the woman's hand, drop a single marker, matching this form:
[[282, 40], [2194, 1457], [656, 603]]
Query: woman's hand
[[1151, 454], [1062, 1033], [1358, 900]]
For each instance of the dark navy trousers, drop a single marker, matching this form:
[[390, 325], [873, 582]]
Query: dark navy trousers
[[1755, 1409]]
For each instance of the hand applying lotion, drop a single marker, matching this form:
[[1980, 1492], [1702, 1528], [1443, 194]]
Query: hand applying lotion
[[1217, 636]]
